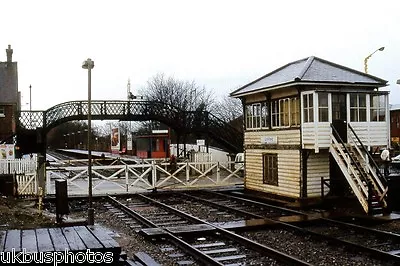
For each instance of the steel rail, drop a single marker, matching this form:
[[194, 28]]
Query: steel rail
[[280, 256], [353, 226], [373, 251], [196, 253]]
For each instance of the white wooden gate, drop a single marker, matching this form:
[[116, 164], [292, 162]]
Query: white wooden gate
[[124, 178], [25, 172]]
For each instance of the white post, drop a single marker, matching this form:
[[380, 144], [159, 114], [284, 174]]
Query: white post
[[218, 173], [153, 172], [187, 172]]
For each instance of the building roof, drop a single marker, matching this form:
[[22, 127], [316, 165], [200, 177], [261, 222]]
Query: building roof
[[308, 71], [394, 107]]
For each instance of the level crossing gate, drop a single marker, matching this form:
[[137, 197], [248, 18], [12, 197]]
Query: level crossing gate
[[121, 177]]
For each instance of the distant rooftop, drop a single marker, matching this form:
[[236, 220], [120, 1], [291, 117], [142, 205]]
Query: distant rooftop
[[309, 70], [394, 107]]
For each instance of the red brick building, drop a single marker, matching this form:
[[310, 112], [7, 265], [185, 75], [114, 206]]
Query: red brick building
[[395, 125], [9, 98]]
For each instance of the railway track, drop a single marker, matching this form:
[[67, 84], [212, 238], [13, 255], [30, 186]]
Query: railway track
[[190, 239], [274, 222], [209, 215]]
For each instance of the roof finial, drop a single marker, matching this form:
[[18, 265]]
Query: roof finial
[[9, 54]]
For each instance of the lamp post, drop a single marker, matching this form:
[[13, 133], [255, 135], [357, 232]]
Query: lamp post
[[30, 105], [79, 139], [30, 98], [89, 64], [368, 57]]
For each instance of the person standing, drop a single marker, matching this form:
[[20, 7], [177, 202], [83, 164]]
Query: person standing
[[385, 156]]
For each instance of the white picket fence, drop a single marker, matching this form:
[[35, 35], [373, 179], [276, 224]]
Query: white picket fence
[[25, 171], [17, 166], [204, 160]]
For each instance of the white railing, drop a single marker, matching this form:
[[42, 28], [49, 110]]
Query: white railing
[[124, 178], [17, 166], [25, 171], [376, 182]]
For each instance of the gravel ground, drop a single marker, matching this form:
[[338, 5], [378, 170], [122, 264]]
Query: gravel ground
[[130, 241], [393, 226], [22, 214], [312, 251]]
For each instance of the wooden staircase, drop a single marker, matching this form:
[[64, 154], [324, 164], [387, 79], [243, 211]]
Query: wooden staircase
[[355, 162]]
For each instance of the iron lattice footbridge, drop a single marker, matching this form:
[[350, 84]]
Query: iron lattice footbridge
[[183, 122]]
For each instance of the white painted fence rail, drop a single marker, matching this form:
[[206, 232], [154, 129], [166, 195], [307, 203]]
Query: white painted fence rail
[[25, 174], [17, 166], [131, 178]]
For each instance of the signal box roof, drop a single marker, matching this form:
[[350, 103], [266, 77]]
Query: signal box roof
[[309, 71]]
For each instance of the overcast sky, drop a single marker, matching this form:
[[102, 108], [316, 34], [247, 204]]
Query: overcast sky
[[219, 44]]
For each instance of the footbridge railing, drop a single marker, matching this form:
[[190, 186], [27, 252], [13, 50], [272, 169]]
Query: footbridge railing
[[182, 121]]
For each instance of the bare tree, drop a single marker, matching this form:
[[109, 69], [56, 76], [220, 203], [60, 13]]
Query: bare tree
[[187, 96], [228, 109]]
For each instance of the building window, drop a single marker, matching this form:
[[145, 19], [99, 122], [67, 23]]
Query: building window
[[248, 116], [284, 112], [323, 107], [294, 112], [308, 108], [378, 107], [358, 107], [275, 113], [257, 115], [253, 116], [270, 169], [279, 113], [264, 115], [2, 111]]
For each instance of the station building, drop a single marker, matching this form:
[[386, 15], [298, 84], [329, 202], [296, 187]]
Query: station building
[[300, 120], [9, 98]]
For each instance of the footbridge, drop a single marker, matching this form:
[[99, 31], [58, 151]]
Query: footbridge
[[33, 126]]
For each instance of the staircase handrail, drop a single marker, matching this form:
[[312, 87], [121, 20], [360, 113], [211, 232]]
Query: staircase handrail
[[379, 174], [375, 181], [348, 152], [350, 169]]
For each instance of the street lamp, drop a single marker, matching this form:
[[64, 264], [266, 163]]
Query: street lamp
[[89, 65], [366, 59], [74, 141]]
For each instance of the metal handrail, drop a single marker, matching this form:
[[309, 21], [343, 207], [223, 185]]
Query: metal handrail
[[381, 177]]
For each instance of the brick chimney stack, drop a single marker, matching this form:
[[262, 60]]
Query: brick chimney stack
[[9, 54]]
